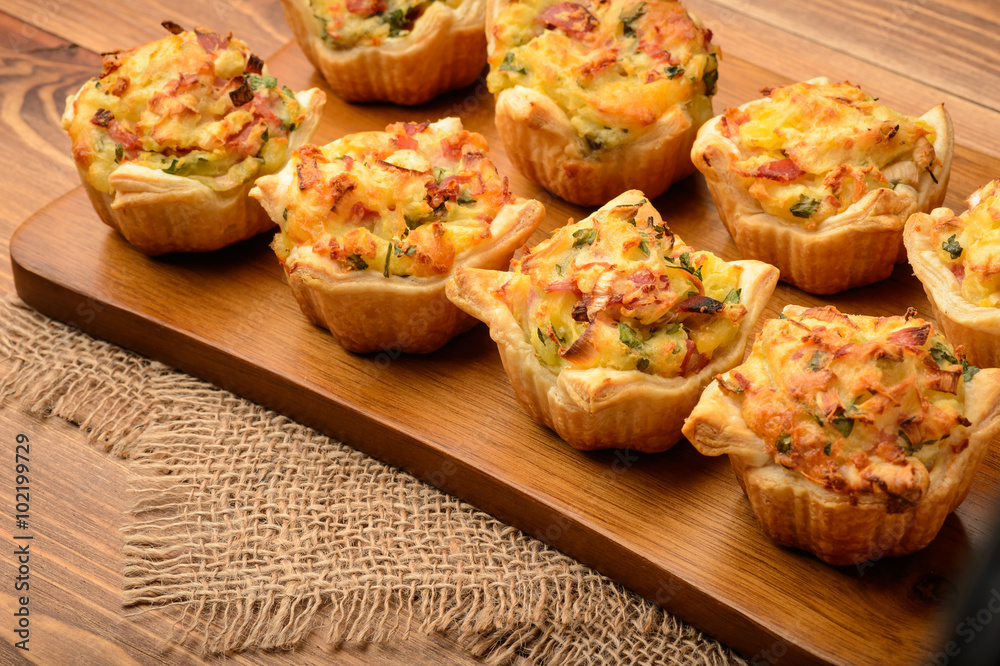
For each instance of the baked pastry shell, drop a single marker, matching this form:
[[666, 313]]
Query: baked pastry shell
[[796, 512], [858, 246], [975, 327], [544, 146], [599, 408], [368, 312], [446, 50], [158, 212]]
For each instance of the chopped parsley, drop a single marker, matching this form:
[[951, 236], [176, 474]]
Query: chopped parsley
[[642, 364], [942, 356], [806, 207], [411, 224], [733, 297], [119, 152], [826, 448], [257, 81], [584, 237], [629, 336], [465, 198], [674, 71], [172, 168], [396, 20], [685, 264], [356, 262], [541, 336], [643, 246], [784, 443], [711, 78], [844, 424], [952, 247], [968, 371], [817, 361], [627, 21], [508, 64]]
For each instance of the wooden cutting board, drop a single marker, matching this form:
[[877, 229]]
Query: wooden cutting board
[[674, 527]]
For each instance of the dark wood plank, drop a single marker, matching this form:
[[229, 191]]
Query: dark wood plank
[[674, 527]]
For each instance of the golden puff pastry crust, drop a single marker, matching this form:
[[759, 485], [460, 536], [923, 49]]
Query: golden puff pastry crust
[[373, 224], [853, 437], [829, 210], [610, 329], [594, 98], [955, 258], [169, 139], [400, 51]]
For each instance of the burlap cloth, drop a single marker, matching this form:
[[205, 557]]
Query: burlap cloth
[[257, 530]]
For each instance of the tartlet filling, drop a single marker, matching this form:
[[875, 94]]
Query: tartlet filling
[[408, 201], [196, 104], [618, 290], [809, 151], [859, 405], [969, 245], [613, 67], [345, 24]]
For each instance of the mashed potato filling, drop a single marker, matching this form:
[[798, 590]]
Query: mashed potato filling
[[808, 151], [613, 67], [618, 290], [408, 201], [859, 405], [969, 244], [196, 104]]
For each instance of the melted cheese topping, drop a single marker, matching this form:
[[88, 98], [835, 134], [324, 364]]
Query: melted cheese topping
[[859, 405], [619, 290], [194, 104], [614, 67], [407, 201], [344, 24], [809, 151], [970, 246]]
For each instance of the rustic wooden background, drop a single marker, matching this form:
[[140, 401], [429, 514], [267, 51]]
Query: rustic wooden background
[[913, 53]]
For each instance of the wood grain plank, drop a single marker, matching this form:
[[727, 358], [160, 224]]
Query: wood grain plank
[[945, 45], [100, 26], [742, 34], [643, 521]]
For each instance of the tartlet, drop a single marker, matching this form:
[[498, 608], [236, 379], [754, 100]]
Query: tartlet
[[594, 98], [819, 179], [610, 328], [400, 51], [373, 224], [853, 437], [169, 139], [956, 260]]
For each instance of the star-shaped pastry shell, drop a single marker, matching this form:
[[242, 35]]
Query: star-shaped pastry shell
[[443, 47], [616, 64], [592, 406], [887, 490], [856, 246], [146, 143], [928, 238], [373, 224]]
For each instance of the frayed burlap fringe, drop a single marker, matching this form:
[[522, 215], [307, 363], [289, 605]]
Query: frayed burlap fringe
[[262, 531]]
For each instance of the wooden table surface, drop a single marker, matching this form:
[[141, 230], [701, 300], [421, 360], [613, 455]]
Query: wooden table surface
[[911, 53]]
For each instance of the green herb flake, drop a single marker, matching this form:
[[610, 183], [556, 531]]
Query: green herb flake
[[284, 214], [733, 297], [642, 364], [685, 264], [411, 224], [805, 208], [942, 356], [396, 20], [817, 361], [508, 65], [288, 126], [826, 448], [559, 269], [711, 77], [356, 262], [541, 336], [968, 371], [584, 237], [674, 71], [388, 257], [627, 21], [629, 336], [644, 247], [257, 81], [288, 91], [844, 424], [439, 174], [952, 247], [464, 198], [172, 168], [784, 443], [672, 328]]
